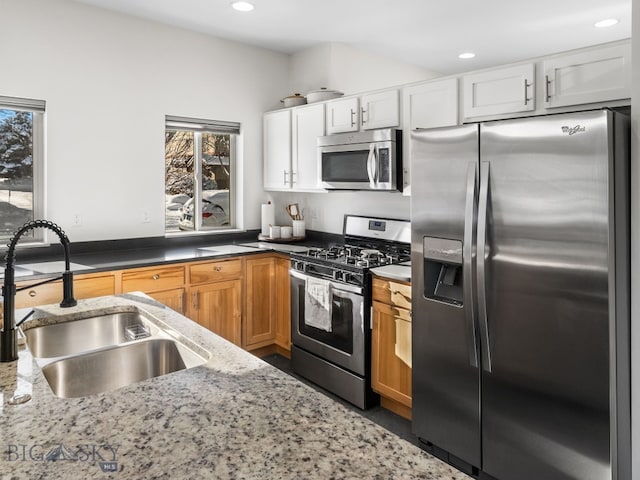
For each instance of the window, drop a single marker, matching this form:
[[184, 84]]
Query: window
[[21, 164], [199, 174]]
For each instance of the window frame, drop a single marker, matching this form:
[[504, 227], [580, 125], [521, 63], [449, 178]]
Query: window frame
[[200, 127], [37, 108]]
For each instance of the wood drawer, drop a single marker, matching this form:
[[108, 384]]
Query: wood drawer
[[215, 271], [392, 292], [153, 279], [52, 292]]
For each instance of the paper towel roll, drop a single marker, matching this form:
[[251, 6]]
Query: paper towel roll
[[268, 217]]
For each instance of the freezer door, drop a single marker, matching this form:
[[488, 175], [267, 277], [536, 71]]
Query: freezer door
[[446, 389], [545, 375]]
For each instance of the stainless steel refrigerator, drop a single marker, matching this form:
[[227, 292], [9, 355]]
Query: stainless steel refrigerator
[[520, 253]]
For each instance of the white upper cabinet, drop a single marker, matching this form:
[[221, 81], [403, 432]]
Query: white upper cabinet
[[367, 112], [499, 91], [598, 75], [380, 110], [308, 124], [343, 115], [426, 105], [277, 150]]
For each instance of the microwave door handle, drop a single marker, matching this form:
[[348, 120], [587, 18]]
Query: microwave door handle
[[376, 164], [370, 165]]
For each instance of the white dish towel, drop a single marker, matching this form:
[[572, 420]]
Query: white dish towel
[[317, 304]]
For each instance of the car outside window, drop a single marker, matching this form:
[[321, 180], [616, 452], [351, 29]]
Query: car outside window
[[199, 175]]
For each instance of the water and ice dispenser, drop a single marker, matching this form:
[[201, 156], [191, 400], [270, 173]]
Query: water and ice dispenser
[[442, 270]]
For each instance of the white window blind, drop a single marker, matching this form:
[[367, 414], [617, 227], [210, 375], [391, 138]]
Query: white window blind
[[200, 125]]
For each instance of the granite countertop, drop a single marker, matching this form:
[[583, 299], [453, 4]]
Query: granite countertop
[[233, 417]]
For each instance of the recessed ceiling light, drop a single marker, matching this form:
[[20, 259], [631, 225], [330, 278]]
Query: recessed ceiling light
[[605, 23], [466, 55], [243, 6]]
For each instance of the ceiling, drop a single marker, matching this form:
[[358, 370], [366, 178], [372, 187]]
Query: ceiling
[[427, 33]]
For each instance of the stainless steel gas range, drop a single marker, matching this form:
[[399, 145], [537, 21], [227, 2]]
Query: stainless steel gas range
[[331, 305]]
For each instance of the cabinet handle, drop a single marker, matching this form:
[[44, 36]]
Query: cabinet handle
[[156, 277], [547, 96], [398, 292], [526, 85], [217, 268], [32, 293], [195, 301], [353, 114], [285, 176], [293, 177], [363, 111]]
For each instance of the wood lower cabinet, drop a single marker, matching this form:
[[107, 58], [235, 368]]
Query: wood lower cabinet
[[391, 345], [174, 299], [218, 307], [283, 303], [84, 286], [260, 302], [164, 283], [215, 297]]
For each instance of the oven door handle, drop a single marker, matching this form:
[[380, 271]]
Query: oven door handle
[[339, 286]]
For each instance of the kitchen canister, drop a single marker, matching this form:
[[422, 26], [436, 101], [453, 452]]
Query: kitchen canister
[[274, 231], [286, 232], [298, 228]]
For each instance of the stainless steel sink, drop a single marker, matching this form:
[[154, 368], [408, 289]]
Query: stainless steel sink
[[102, 351], [116, 367], [84, 334]]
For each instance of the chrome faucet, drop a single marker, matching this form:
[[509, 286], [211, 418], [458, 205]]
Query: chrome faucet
[[9, 334]]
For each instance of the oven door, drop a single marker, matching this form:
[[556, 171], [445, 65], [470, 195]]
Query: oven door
[[344, 344], [360, 166]]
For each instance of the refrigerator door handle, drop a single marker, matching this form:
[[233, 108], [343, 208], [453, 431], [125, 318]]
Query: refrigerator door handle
[[467, 261], [481, 259]]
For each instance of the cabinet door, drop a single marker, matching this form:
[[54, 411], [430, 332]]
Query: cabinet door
[[500, 91], [308, 124], [277, 150], [587, 77], [380, 110], [391, 377], [217, 306], [428, 105], [282, 292], [260, 304], [343, 115], [174, 299], [83, 287]]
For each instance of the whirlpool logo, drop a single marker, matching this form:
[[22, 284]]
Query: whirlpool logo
[[573, 130]]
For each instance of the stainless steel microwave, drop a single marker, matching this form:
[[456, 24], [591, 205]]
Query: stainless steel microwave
[[370, 160]]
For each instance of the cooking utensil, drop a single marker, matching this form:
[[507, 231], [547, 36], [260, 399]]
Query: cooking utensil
[[322, 94], [294, 211], [294, 100]]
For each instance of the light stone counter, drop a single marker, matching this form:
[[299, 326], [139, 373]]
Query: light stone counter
[[234, 417]]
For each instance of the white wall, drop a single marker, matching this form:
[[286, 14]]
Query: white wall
[[635, 247], [351, 71], [340, 67], [109, 80]]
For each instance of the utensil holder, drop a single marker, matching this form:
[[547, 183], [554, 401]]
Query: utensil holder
[[298, 228]]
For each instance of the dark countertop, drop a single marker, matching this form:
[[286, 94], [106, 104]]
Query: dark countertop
[[146, 252]]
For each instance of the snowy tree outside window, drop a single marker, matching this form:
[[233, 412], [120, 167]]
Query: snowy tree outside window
[[20, 150]]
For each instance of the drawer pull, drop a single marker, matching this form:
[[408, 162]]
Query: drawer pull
[[156, 277], [217, 269], [32, 293], [398, 292]]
